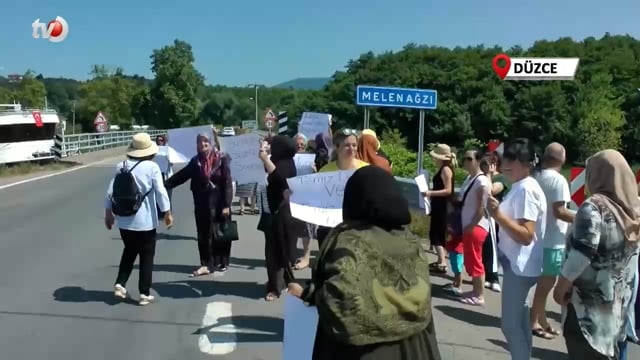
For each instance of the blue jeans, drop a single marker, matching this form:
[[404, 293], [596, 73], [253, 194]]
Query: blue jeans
[[516, 321], [622, 347]]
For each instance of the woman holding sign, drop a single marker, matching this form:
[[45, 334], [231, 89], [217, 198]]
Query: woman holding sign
[[280, 247], [344, 157], [371, 282]]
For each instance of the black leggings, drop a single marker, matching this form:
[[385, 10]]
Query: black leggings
[[137, 243], [487, 260]]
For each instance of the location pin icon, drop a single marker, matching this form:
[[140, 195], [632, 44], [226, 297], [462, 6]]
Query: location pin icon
[[501, 71]]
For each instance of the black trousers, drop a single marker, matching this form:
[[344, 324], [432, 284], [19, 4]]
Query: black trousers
[[321, 234], [487, 260], [137, 243], [212, 252], [578, 348]]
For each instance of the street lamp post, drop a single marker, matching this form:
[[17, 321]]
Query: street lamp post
[[255, 99]]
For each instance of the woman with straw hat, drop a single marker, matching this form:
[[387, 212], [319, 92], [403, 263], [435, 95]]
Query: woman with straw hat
[[138, 231], [441, 191]]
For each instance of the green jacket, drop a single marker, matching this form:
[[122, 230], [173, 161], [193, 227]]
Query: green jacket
[[370, 285]]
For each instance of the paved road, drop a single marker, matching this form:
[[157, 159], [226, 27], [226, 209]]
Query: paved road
[[58, 265]]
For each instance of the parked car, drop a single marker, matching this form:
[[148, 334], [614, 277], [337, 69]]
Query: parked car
[[228, 131]]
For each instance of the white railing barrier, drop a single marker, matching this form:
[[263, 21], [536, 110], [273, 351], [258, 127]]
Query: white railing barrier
[[77, 144]]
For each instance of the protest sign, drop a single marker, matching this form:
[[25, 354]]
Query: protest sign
[[317, 198], [423, 186], [304, 163], [184, 141], [167, 156], [246, 166], [300, 325], [312, 124]]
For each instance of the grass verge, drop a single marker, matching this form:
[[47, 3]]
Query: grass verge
[[34, 167], [420, 223]]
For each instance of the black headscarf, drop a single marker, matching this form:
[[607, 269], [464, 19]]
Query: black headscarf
[[372, 197], [282, 148]]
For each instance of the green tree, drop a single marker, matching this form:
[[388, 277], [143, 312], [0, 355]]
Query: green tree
[[176, 86], [109, 92], [600, 119], [31, 92]]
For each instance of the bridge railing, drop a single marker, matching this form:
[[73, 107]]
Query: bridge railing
[[76, 144]]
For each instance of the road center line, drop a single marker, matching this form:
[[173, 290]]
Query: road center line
[[217, 339]]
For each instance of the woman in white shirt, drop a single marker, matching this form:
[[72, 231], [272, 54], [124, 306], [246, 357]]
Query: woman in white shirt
[[522, 220]]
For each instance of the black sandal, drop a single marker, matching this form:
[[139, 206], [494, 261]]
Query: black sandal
[[539, 332], [439, 269]]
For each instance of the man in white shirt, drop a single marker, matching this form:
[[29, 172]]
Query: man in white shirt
[[558, 195]]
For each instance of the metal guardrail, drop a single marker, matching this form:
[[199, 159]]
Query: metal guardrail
[[77, 144]]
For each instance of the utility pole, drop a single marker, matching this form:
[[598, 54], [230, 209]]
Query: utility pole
[[255, 99], [73, 121]]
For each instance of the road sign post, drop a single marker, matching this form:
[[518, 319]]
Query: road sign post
[[269, 119], [421, 99], [100, 123]]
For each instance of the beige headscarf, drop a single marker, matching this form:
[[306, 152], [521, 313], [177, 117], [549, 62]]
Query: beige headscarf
[[610, 179]]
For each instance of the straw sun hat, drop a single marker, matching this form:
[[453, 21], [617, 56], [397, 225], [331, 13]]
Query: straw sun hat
[[442, 152], [142, 146]]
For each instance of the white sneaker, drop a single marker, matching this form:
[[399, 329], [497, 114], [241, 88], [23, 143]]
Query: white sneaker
[[119, 291], [487, 285], [146, 299], [496, 287]]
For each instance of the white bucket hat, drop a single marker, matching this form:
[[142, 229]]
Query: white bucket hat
[[142, 146]]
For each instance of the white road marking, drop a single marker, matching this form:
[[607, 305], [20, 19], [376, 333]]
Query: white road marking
[[58, 173], [218, 339]]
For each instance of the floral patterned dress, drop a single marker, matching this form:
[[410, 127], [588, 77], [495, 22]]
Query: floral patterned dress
[[602, 267]]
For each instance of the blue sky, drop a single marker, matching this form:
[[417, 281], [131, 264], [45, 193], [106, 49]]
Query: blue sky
[[268, 42]]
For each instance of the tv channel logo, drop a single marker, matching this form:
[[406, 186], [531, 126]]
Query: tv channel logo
[[55, 30]]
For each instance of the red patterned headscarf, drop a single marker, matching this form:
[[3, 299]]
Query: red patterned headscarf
[[207, 159]]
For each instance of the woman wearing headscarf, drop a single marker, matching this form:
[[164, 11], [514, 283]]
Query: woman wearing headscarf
[[324, 149], [371, 281], [367, 152], [280, 249], [210, 175], [597, 279]]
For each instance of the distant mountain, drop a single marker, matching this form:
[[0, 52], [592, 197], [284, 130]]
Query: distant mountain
[[304, 83]]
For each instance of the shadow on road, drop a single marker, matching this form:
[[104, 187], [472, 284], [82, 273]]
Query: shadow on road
[[469, 316], [77, 294], [538, 353], [245, 324], [189, 289], [165, 236], [172, 268], [243, 263]]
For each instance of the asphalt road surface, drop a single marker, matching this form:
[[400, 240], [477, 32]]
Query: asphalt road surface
[[59, 263]]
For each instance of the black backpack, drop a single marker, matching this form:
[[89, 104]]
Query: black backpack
[[126, 198]]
